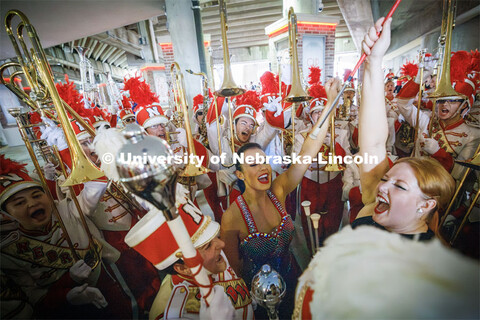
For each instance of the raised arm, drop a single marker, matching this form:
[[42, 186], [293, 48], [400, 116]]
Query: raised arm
[[372, 123], [288, 181], [229, 233]]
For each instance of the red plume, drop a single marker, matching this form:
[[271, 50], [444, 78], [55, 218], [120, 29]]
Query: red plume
[[34, 117], [346, 73], [140, 92], [409, 69], [210, 93], [72, 97], [317, 91], [9, 166], [249, 98], [126, 103], [198, 100], [475, 62], [269, 84], [459, 65], [314, 75]]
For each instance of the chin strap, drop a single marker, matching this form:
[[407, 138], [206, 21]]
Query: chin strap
[[463, 111]]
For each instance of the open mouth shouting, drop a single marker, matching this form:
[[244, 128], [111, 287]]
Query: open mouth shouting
[[382, 204], [264, 178], [38, 214], [444, 111], [244, 135]]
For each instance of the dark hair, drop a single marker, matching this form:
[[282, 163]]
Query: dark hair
[[170, 269], [238, 165], [242, 149], [4, 204]]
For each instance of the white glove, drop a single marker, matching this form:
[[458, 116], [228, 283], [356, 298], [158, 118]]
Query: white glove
[[85, 295], [80, 271], [226, 176], [220, 307], [274, 105], [54, 135], [428, 145], [182, 137], [49, 171]]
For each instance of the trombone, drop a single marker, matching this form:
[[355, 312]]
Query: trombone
[[87, 76], [192, 169], [228, 88], [297, 93], [82, 169], [333, 166], [203, 125], [421, 60], [444, 85]]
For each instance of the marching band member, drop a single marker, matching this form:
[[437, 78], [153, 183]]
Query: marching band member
[[179, 294], [125, 112], [248, 223], [36, 257], [408, 194], [452, 137], [322, 188], [199, 119]]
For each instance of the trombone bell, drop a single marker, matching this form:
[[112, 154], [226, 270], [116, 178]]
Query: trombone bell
[[444, 87], [229, 88], [297, 93]]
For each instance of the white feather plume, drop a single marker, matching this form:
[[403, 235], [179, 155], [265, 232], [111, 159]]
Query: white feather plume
[[107, 143], [368, 273]]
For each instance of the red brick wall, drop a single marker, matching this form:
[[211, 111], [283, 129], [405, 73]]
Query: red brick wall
[[321, 30], [167, 50]]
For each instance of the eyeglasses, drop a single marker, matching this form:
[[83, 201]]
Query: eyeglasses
[[156, 126], [450, 101], [200, 113], [129, 120]]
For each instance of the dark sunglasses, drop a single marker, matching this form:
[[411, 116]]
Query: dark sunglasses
[[450, 101]]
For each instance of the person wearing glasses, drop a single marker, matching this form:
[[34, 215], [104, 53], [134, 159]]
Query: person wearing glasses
[[449, 134]]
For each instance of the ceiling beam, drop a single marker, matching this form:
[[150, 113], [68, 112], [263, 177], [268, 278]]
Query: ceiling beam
[[103, 46], [116, 56], [118, 43], [250, 44], [107, 54], [256, 6], [92, 48], [241, 22]]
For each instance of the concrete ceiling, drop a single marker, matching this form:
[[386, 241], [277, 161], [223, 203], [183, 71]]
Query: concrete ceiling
[[414, 18], [247, 20], [57, 22]]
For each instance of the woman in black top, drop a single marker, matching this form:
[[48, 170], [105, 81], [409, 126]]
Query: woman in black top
[[407, 196]]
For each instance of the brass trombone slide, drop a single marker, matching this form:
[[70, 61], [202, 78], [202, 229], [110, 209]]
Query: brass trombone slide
[[228, 87], [191, 170], [82, 169]]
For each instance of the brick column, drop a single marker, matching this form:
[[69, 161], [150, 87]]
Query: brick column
[[322, 30], [307, 24]]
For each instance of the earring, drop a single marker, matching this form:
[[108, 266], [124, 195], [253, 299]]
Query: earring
[[420, 210]]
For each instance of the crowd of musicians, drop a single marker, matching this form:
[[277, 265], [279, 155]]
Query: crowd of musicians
[[63, 249]]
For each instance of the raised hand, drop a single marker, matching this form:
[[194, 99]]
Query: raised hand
[[375, 45]]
